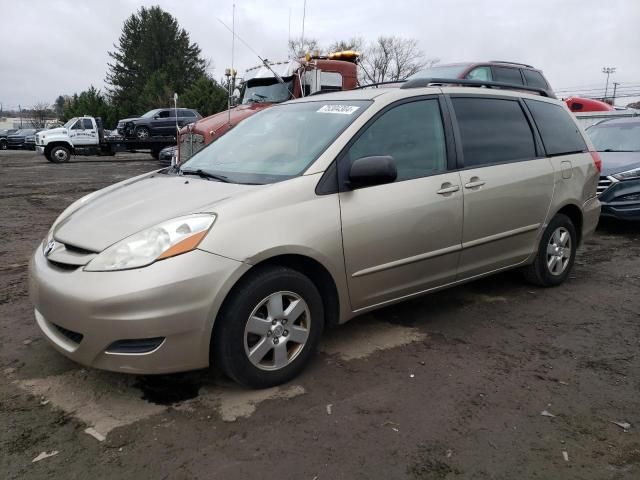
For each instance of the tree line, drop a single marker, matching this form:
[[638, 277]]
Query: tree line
[[154, 57]]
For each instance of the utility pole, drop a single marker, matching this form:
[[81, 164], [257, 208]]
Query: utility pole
[[20, 110], [615, 87], [608, 71]]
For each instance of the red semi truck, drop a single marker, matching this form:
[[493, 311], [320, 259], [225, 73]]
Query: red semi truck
[[264, 86]]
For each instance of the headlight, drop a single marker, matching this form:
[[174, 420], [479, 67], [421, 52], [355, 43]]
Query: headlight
[[165, 240], [628, 175]]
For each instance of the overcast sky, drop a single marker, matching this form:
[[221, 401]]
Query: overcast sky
[[53, 47]]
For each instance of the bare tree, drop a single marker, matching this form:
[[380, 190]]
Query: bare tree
[[392, 58], [299, 47], [40, 112], [354, 43]]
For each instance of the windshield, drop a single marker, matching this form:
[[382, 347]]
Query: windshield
[[451, 71], [70, 122], [616, 136], [278, 143], [267, 90], [150, 113]]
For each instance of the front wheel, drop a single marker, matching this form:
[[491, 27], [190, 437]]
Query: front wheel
[[556, 253], [269, 328], [142, 133], [59, 154], [3, 144]]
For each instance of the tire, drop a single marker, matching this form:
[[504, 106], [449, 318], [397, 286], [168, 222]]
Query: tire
[[59, 154], [142, 133], [556, 253], [277, 350], [3, 144], [155, 154]]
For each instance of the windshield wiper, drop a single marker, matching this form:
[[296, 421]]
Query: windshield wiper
[[203, 174], [615, 150]]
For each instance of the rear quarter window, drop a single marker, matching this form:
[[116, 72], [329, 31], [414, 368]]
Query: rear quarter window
[[560, 134], [534, 79]]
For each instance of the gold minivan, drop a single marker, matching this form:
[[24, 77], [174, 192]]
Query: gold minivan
[[309, 214]]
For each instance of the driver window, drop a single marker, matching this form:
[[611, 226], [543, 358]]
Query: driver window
[[412, 133], [87, 124], [480, 73], [164, 114], [77, 125]]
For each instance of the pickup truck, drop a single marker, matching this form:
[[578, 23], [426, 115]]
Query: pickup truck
[[86, 136]]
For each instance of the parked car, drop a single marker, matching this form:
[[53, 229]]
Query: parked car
[[3, 137], [161, 121], [16, 141], [618, 141], [308, 214], [492, 71], [168, 155]]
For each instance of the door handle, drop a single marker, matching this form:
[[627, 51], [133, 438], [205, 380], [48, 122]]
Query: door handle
[[474, 182], [448, 188]]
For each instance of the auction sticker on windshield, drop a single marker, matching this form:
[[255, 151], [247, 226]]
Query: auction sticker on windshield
[[341, 109]]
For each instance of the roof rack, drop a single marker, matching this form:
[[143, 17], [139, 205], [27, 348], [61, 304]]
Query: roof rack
[[512, 63], [428, 82], [377, 84]]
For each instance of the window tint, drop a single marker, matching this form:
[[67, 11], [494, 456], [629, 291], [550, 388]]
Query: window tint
[[87, 124], [412, 133], [534, 79], [188, 113], [164, 114], [480, 73], [507, 75], [493, 130], [559, 132]]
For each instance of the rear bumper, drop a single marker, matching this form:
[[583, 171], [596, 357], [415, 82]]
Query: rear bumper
[[622, 200], [590, 216]]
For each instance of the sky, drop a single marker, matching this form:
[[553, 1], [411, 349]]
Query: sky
[[54, 47]]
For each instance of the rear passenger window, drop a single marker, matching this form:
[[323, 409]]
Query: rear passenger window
[[412, 133], [534, 79], [493, 131], [507, 75], [560, 134]]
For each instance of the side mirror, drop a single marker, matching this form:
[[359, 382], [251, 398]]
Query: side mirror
[[156, 116], [369, 171]]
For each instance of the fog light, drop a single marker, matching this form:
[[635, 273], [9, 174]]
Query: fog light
[[135, 345]]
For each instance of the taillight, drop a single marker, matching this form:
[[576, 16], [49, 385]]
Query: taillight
[[597, 160]]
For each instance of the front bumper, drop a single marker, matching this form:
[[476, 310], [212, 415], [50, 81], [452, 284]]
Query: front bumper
[[175, 299], [622, 200]]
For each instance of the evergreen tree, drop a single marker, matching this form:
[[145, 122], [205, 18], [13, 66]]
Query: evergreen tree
[[154, 57], [205, 95]]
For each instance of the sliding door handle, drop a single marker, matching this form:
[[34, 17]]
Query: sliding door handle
[[474, 183]]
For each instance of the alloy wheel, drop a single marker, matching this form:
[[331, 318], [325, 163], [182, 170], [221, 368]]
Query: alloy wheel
[[559, 251], [277, 330]]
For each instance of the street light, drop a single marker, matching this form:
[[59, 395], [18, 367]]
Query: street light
[[608, 71]]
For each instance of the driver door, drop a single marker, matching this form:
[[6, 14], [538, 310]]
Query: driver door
[[403, 237]]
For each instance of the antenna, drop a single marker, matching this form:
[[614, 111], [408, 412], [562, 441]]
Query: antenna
[[304, 14], [264, 62]]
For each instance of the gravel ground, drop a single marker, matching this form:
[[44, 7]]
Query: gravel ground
[[449, 386]]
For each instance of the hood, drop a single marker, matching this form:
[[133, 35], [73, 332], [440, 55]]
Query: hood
[[217, 123], [124, 120], [616, 162], [53, 131], [132, 206]]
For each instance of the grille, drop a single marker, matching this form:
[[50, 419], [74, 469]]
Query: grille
[[604, 184], [75, 337], [190, 144]]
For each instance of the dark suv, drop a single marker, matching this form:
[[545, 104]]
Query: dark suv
[[161, 121], [492, 71], [4, 133]]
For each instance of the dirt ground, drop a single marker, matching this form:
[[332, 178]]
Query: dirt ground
[[449, 386]]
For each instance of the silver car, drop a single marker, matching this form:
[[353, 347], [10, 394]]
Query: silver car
[[307, 215]]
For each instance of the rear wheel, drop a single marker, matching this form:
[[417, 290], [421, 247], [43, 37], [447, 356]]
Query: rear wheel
[[269, 328], [59, 154], [142, 133], [556, 253]]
